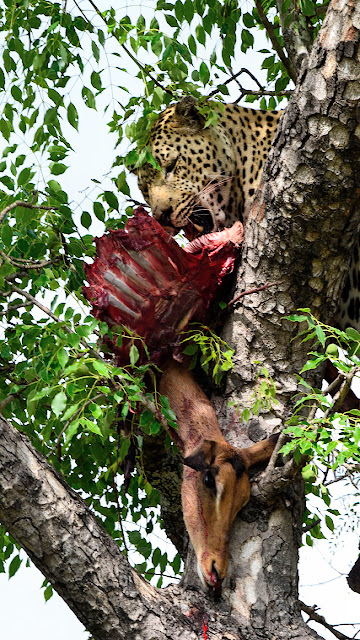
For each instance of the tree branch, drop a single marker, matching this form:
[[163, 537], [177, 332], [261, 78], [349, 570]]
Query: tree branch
[[275, 42], [28, 264], [65, 541], [297, 38], [321, 620], [27, 205], [248, 92]]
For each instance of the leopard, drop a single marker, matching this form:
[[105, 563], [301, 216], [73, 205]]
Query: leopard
[[209, 175]]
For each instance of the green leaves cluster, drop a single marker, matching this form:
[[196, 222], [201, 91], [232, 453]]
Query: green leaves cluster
[[207, 348], [262, 399], [325, 439]]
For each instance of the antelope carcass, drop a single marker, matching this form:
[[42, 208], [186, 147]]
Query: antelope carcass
[[142, 278], [215, 482]]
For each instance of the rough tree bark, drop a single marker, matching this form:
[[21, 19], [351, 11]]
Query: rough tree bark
[[299, 231]]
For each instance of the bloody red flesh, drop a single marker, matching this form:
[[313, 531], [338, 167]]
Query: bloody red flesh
[[143, 279]]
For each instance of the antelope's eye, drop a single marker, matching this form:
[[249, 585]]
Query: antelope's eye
[[171, 166], [209, 479]]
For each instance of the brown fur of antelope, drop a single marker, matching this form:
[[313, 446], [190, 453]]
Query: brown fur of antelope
[[215, 482]]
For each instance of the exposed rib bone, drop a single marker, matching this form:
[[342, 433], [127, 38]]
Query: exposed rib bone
[[120, 285]]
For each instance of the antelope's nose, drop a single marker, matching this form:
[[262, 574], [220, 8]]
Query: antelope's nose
[[216, 582], [214, 573]]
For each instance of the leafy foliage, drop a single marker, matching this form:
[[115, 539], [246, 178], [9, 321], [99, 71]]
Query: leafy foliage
[[263, 398], [324, 438], [213, 354]]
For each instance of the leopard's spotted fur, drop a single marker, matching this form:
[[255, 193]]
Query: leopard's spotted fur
[[209, 174]]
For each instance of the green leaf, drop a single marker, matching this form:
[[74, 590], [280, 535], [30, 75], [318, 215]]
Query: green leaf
[[191, 349], [14, 566], [99, 211], [95, 50], [57, 168], [88, 97], [111, 199], [307, 7], [73, 116], [93, 427], [24, 176], [71, 430], [63, 357], [16, 93], [192, 44], [329, 523], [48, 592], [134, 354], [179, 10], [176, 564], [204, 73], [188, 10], [312, 364], [320, 334], [85, 219], [353, 334], [58, 403], [101, 368], [248, 20], [247, 39], [171, 21], [156, 556], [200, 34], [96, 81]]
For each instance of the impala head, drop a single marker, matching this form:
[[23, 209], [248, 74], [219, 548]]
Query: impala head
[[215, 487]]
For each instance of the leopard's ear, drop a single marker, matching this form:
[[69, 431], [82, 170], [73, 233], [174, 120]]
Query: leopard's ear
[[187, 113]]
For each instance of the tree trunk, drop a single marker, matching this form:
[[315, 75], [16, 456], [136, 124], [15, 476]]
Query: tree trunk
[[299, 233]]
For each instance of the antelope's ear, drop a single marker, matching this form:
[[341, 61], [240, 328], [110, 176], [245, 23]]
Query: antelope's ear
[[259, 452], [202, 456]]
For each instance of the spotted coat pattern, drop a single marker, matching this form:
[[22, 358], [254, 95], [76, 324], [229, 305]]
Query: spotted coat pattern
[[209, 175]]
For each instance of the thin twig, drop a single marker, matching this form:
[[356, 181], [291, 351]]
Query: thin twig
[[267, 285], [275, 42], [28, 264], [132, 57], [27, 205], [310, 526], [321, 620], [13, 307], [338, 479], [261, 91], [333, 384], [271, 464], [340, 396]]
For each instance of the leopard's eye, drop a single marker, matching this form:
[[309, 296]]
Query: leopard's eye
[[209, 479], [170, 167]]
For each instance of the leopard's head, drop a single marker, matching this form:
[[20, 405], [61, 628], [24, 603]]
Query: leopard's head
[[198, 166]]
